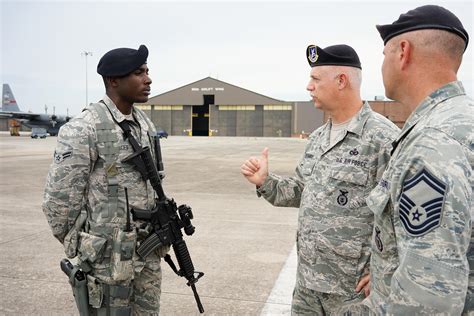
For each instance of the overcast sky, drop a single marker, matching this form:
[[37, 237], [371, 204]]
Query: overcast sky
[[259, 46]]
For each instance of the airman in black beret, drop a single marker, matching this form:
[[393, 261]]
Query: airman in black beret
[[422, 18], [94, 145], [350, 151], [122, 61], [336, 55], [423, 249]]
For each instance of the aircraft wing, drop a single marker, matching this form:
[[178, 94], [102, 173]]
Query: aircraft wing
[[18, 115]]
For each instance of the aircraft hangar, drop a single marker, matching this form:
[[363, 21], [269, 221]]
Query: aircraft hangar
[[210, 107]]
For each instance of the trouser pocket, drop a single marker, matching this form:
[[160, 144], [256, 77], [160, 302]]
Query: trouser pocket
[[123, 248]]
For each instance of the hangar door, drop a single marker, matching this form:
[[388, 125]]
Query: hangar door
[[201, 117]]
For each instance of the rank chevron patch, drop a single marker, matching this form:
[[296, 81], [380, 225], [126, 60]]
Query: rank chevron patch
[[421, 203]]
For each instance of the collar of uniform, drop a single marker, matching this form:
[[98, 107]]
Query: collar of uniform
[[356, 125], [118, 116], [448, 91]]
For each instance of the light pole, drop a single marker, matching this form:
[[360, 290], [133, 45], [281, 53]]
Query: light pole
[[85, 55]]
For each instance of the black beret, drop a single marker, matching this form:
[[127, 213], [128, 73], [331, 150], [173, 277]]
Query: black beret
[[424, 17], [336, 55], [122, 61]]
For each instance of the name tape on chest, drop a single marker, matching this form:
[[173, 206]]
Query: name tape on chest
[[421, 203]]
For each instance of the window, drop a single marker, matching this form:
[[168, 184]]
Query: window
[[236, 107], [168, 107], [277, 108]]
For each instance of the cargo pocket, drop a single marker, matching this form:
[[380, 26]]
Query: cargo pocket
[[94, 289], [91, 247], [123, 249], [70, 243], [357, 176], [348, 188], [345, 252]]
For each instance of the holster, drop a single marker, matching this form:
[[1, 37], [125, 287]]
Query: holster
[[79, 290]]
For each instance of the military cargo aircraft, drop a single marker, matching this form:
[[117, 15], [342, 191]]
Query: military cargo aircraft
[[49, 122]]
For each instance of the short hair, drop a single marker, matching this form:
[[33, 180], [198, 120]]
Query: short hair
[[354, 75], [440, 41]]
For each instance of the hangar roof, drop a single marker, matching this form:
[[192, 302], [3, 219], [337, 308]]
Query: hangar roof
[[224, 94]]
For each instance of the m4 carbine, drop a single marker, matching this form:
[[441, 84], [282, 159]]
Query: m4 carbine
[[166, 218]]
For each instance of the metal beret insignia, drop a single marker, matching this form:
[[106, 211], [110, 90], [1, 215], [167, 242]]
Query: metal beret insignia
[[312, 53]]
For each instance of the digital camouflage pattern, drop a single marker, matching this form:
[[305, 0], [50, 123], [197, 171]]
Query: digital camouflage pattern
[[87, 176], [422, 259], [329, 187], [309, 302]]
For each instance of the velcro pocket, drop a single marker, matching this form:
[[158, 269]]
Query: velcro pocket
[[441, 285], [357, 176], [123, 249], [94, 289], [91, 248], [70, 243]]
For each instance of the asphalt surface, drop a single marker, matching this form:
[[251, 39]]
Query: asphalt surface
[[242, 243]]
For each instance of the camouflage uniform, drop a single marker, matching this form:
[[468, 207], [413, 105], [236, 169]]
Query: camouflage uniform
[[85, 186], [335, 224], [422, 242]]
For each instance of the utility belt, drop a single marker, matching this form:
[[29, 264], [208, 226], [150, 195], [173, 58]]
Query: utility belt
[[107, 260], [113, 247]]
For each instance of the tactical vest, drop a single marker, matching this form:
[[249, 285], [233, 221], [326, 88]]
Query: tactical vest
[[106, 146], [99, 235]]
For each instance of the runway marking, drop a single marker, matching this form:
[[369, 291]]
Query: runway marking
[[279, 300]]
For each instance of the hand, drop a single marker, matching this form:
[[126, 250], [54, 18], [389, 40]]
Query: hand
[[364, 284], [256, 170]]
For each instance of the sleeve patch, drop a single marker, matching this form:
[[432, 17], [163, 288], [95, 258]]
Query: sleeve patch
[[60, 157], [421, 203]]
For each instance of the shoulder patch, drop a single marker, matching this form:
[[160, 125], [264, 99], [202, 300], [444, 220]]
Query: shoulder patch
[[60, 157], [421, 203]]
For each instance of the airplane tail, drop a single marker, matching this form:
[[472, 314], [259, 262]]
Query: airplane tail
[[8, 100]]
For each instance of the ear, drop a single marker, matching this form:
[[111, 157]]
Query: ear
[[112, 81], [342, 81], [405, 54]]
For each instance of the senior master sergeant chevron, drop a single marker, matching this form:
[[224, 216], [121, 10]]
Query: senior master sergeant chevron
[[422, 240], [342, 162], [85, 199]]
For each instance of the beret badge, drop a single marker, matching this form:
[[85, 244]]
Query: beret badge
[[312, 53]]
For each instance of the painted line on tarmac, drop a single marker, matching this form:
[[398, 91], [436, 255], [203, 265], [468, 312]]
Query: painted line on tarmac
[[279, 300]]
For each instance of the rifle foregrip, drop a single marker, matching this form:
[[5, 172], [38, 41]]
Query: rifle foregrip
[[184, 259]]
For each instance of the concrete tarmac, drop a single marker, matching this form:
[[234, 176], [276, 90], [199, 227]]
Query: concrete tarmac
[[241, 242]]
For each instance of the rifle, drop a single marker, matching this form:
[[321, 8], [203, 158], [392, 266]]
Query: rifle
[[166, 218]]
